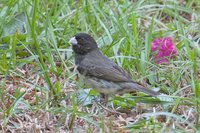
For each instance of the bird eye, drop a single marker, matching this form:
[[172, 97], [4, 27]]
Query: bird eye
[[79, 38]]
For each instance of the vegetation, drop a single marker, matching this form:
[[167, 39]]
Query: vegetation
[[39, 88]]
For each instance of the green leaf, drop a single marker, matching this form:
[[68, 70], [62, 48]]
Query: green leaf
[[17, 24]]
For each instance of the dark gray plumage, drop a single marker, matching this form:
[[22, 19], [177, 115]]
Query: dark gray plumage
[[100, 72]]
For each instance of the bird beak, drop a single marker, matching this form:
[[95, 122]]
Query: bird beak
[[73, 41]]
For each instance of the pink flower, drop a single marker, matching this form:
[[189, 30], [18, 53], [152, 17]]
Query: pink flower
[[163, 49]]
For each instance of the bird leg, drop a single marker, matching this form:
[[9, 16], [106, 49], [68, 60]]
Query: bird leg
[[103, 98]]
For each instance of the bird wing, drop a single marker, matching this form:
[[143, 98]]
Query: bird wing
[[103, 68]]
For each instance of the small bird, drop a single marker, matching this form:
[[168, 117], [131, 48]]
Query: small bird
[[100, 72]]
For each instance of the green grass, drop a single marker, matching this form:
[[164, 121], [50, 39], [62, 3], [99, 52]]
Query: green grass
[[38, 86]]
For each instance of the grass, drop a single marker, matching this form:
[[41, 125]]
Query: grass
[[39, 90]]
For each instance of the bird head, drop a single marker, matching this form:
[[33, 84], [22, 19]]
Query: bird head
[[83, 43]]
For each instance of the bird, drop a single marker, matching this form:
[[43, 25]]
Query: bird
[[101, 73]]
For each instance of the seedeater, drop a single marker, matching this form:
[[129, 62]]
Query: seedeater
[[101, 73]]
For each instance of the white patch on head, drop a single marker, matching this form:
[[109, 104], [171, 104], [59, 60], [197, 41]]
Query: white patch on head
[[73, 41]]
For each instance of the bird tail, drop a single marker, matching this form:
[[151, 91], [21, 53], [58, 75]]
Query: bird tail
[[134, 86], [147, 91]]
